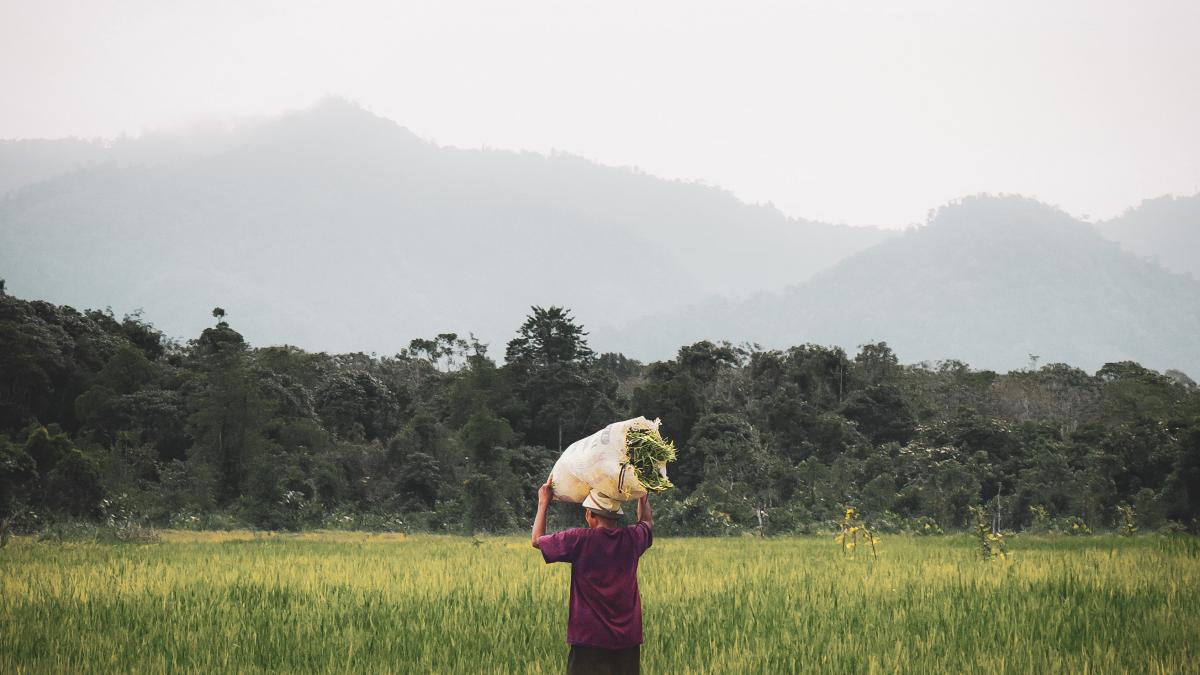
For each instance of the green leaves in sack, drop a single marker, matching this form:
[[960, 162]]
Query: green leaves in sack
[[647, 449]]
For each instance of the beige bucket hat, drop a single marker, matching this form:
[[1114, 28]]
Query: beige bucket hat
[[602, 505]]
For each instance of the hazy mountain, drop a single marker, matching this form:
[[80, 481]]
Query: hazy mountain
[[1166, 229], [989, 280], [335, 229], [26, 162]]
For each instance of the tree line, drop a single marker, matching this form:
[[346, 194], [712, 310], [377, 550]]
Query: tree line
[[106, 419]]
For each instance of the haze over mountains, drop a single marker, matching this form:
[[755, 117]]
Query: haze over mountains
[[1166, 229], [990, 281], [337, 230]]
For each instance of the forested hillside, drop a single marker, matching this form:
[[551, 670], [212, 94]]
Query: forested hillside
[[993, 281], [337, 230], [1166, 229], [103, 418]]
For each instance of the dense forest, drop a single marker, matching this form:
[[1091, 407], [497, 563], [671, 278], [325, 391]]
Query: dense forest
[[106, 420]]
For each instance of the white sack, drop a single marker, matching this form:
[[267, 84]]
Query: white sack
[[596, 463]]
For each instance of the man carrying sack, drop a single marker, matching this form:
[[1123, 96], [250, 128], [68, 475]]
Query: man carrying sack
[[604, 624]]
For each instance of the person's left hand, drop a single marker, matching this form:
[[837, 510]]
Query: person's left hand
[[546, 491]]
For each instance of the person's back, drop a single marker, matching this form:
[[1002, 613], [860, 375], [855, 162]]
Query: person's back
[[606, 608], [604, 624]]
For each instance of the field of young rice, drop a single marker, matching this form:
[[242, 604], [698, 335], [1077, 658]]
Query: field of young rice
[[224, 602]]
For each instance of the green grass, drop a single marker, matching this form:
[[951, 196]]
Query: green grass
[[225, 602]]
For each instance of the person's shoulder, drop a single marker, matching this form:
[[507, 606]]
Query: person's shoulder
[[574, 532], [642, 533], [569, 534]]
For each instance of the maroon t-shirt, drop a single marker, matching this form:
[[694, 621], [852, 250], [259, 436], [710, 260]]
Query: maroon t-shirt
[[606, 609]]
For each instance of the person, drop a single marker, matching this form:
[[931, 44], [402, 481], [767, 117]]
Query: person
[[604, 621]]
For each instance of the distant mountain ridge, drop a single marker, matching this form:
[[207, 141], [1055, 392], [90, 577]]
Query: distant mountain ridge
[[1165, 229], [338, 230], [26, 162], [990, 280]]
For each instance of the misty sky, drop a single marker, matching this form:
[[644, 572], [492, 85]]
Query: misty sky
[[865, 112]]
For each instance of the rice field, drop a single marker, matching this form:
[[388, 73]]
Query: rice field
[[319, 602]]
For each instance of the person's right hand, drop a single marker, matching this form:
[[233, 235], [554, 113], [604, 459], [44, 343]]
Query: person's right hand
[[643, 509]]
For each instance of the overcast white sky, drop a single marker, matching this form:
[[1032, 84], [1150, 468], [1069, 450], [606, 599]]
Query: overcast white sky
[[864, 111]]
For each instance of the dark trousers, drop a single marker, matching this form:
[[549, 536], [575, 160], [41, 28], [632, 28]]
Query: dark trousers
[[596, 661]]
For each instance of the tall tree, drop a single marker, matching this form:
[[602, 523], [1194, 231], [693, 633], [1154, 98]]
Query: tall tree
[[548, 337], [229, 415], [554, 371]]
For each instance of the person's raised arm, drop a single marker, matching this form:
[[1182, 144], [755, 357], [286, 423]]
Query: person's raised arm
[[644, 513], [545, 494]]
